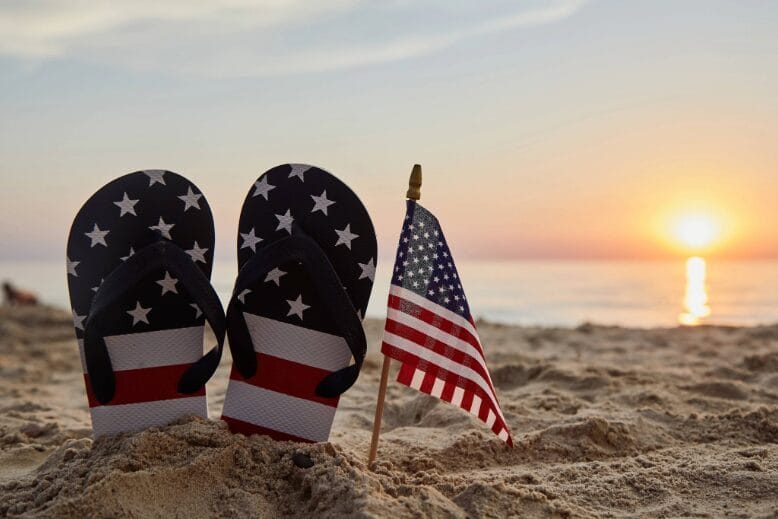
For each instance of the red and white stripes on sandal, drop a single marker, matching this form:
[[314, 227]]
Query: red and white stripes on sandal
[[280, 399], [147, 367]]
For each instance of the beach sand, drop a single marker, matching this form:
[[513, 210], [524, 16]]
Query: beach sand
[[607, 421]]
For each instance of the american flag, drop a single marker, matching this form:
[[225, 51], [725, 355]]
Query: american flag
[[429, 328]]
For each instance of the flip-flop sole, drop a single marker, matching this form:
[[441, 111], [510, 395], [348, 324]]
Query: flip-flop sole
[[295, 340], [156, 331]]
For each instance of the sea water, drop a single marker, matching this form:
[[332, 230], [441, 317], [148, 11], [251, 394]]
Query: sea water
[[564, 293]]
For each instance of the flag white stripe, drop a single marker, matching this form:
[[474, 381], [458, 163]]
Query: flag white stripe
[[439, 310], [152, 349], [115, 419], [458, 394], [418, 378], [437, 388], [277, 411], [432, 307], [475, 407], [437, 334], [443, 362], [298, 344]]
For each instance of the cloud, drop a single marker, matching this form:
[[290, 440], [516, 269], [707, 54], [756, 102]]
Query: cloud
[[234, 38]]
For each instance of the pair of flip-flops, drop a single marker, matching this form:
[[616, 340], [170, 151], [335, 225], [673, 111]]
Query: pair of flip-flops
[[139, 260]]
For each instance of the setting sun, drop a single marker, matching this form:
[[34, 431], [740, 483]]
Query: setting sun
[[696, 230]]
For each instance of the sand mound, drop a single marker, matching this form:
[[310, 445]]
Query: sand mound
[[194, 468]]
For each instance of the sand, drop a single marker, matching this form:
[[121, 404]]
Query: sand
[[607, 421]]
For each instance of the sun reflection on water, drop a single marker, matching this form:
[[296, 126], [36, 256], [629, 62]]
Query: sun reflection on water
[[695, 300]]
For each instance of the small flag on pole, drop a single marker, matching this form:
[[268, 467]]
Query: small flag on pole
[[429, 328]]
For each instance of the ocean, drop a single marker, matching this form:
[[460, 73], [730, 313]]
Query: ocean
[[550, 293]]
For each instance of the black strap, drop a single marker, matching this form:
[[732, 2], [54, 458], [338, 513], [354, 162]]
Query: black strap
[[124, 278], [301, 248]]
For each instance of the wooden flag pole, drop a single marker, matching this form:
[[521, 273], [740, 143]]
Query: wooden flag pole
[[414, 193]]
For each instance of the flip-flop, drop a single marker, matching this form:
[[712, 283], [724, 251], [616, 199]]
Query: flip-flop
[[306, 253], [139, 260]]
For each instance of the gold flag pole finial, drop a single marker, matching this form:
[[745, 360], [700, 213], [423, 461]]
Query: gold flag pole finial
[[414, 184]]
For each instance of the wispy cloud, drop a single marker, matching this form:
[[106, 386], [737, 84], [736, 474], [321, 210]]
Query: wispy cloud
[[256, 37]]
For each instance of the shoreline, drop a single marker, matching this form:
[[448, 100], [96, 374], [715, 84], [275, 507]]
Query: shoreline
[[606, 420]]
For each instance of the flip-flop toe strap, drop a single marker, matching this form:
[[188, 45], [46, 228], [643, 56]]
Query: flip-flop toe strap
[[124, 278], [301, 248]]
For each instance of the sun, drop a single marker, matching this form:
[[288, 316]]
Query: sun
[[696, 230]]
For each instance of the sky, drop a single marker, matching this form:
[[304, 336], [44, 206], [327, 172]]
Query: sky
[[570, 129]]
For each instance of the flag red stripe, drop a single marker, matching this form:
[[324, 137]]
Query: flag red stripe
[[418, 356], [428, 316], [438, 346], [247, 429], [412, 363], [134, 386], [287, 377], [405, 376]]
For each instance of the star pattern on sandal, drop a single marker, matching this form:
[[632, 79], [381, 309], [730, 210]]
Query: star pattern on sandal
[[125, 215], [285, 221], [297, 307], [197, 253], [250, 240], [129, 255], [289, 184], [139, 314], [242, 296], [321, 203], [156, 176], [190, 199], [274, 276], [345, 236], [298, 170], [262, 187], [97, 236], [126, 206], [72, 267], [168, 284], [78, 321], [163, 228], [368, 270]]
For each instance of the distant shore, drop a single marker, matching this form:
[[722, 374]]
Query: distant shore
[[608, 421]]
